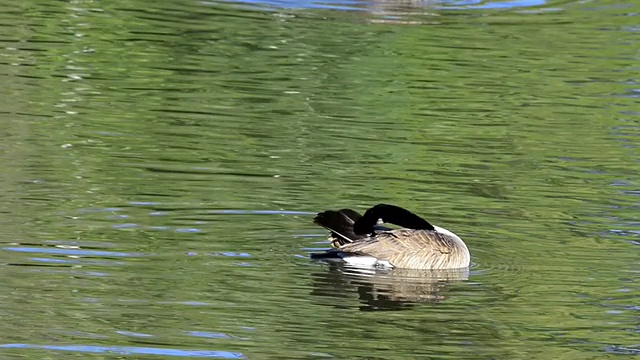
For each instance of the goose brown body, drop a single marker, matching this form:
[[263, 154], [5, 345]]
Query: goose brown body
[[418, 245]]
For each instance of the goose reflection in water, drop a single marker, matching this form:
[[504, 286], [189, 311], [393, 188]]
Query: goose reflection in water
[[397, 289]]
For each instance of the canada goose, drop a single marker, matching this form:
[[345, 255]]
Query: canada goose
[[360, 241]]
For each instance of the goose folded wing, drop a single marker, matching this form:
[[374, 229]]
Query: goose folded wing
[[404, 246]]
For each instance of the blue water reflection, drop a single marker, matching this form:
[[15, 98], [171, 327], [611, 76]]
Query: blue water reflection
[[346, 5], [130, 350], [75, 252]]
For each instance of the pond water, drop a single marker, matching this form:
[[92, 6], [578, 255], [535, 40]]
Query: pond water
[[162, 163]]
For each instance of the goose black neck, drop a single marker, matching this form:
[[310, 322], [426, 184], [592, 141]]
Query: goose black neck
[[389, 214]]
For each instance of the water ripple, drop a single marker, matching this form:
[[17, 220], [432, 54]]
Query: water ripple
[[130, 350], [75, 252]]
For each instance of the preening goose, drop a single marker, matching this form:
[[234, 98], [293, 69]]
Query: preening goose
[[360, 241]]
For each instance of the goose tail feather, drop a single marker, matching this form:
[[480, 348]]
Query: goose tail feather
[[340, 223]]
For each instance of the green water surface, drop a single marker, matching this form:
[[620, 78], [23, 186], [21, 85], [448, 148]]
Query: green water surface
[[161, 163]]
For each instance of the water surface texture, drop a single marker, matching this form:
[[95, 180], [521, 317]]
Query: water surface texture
[[162, 162]]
